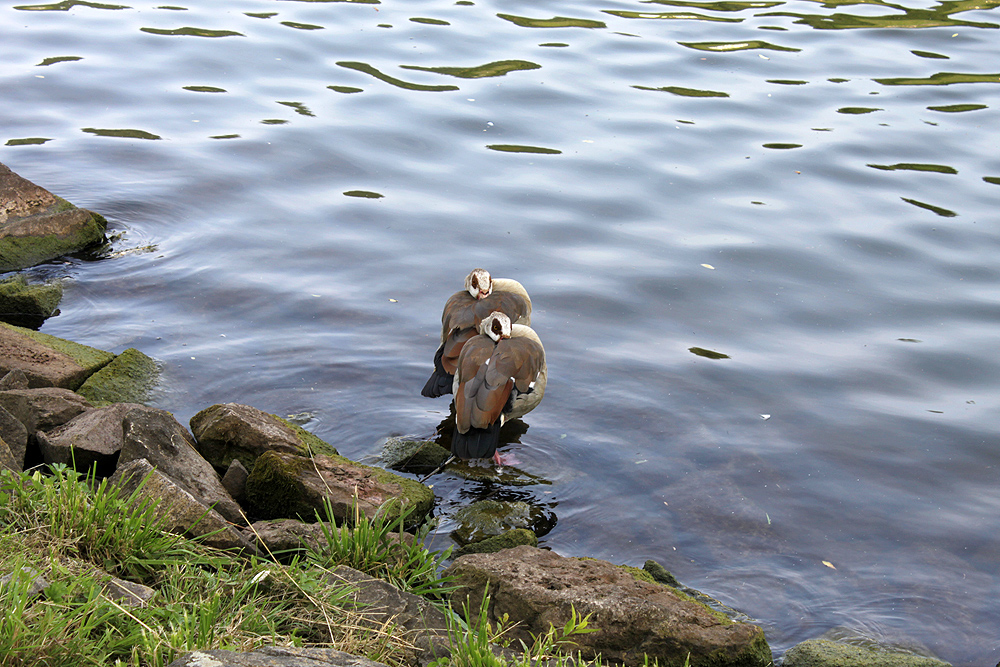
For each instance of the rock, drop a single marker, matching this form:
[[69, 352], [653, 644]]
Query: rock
[[125, 593], [13, 433], [660, 574], [294, 487], [44, 408], [180, 511], [235, 480], [15, 379], [419, 457], [230, 430], [94, 437], [284, 537], [7, 460], [509, 540], [489, 518], [48, 361], [273, 656], [415, 619], [633, 618], [36, 583], [36, 226], [28, 305], [828, 653], [156, 436], [127, 379]]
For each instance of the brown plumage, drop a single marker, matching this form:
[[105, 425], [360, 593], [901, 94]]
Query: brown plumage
[[461, 317], [501, 375]]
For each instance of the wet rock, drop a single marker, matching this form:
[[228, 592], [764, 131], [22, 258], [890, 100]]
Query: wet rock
[[28, 305], [294, 487], [489, 518], [419, 457], [44, 408], [507, 540], [180, 511], [633, 618], [36, 226], [829, 653], [231, 431], [48, 361], [156, 436], [94, 437], [273, 656], [415, 619], [7, 460], [235, 480], [128, 378], [15, 435]]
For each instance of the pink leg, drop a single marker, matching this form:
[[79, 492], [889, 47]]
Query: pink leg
[[505, 459]]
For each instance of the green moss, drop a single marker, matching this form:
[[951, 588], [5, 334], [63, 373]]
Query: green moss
[[311, 444], [828, 653], [508, 540], [17, 297], [638, 573], [90, 358], [19, 252], [273, 490], [127, 379], [660, 574]]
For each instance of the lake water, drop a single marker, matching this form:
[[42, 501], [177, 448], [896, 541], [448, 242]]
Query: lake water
[[761, 239]]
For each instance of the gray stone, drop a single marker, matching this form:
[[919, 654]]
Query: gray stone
[[282, 537], [36, 582], [232, 431], [156, 436], [44, 408], [295, 487], [273, 656], [129, 378], [28, 305], [48, 361], [92, 437], [180, 511], [235, 480], [36, 226], [633, 618], [7, 458], [15, 379], [828, 653], [12, 432]]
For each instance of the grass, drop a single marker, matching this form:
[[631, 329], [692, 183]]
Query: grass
[[75, 532]]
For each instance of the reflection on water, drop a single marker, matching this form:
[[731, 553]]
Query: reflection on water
[[763, 264]]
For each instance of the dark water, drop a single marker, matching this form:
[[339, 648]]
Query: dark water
[[761, 239]]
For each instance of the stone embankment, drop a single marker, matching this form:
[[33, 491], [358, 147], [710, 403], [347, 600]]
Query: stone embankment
[[253, 483]]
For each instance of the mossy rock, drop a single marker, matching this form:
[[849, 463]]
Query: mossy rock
[[84, 360], [660, 574], [127, 379], [50, 235], [419, 457], [295, 487], [28, 304], [489, 518], [508, 540], [828, 653]]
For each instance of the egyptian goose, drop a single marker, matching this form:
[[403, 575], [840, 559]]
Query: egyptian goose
[[460, 320], [501, 375]]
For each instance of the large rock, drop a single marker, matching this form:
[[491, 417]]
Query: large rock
[[48, 361], [294, 487], [44, 408], [156, 436], [13, 432], [633, 618], [127, 379], [180, 511], [273, 656], [7, 460], [36, 226], [28, 305], [94, 437], [232, 431], [828, 653]]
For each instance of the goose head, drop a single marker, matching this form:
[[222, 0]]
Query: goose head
[[479, 283], [496, 325]]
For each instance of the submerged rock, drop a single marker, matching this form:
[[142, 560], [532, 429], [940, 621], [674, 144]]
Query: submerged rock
[[128, 378], [36, 226], [489, 518], [295, 487], [48, 361], [633, 618], [829, 653], [232, 431], [28, 305], [508, 540]]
